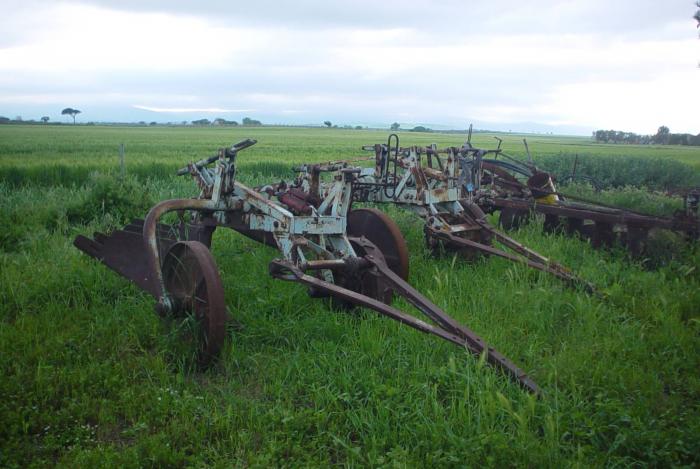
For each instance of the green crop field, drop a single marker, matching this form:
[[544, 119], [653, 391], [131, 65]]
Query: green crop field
[[68, 153], [90, 376]]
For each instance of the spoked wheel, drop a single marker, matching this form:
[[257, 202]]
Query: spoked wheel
[[194, 285], [384, 233]]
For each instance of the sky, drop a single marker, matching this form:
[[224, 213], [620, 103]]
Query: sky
[[540, 66]]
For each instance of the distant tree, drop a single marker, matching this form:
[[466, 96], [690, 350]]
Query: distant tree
[[250, 122], [328, 124], [45, 119], [420, 128], [358, 127], [662, 135], [697, 14], [4, 120], [153, 123], [70, 112], [221, 121], [395, 126], [201, 122]]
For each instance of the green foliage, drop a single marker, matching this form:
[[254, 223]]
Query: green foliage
[[21, 216], [420, 128], [120, 199], [617, 171], [639, 199], [251, 122], [60, 155]]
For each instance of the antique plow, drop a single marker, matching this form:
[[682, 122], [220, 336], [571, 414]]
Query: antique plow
[[516, 189], [320, 245], [430, 183]]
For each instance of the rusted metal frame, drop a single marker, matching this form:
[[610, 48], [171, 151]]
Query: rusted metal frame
[[331, 199], [267, 216], [203, 179], [327, 224], [344, 201], [448, 329], [399, 188], [562, 272], [227, 152], [443, 229], [387, 162], [473, 342], [262, 214], [435, 174], [519, 248], [432, 198], [438, 225], [432, 151], [456, 240], [621, 219], [220, 177]]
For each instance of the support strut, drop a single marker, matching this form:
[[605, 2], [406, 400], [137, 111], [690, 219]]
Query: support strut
[[446, 327]]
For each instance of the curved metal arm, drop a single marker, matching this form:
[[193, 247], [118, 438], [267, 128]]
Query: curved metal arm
[[151, 241], [230, 153]]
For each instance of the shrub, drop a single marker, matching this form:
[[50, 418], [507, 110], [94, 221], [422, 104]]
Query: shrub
[[120, 198]]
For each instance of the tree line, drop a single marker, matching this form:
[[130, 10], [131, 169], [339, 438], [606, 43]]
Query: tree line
[[663, 136]]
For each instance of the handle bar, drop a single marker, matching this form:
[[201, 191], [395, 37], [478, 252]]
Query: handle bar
[[230, 152]]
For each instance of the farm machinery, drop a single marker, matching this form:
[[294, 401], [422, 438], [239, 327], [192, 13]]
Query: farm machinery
[[354, 257], [517, 189], [439, 185]]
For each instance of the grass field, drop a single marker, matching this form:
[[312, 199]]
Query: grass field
[[90, 376], [68, 153]]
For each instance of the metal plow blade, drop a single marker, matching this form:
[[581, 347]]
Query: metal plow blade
[[124, 251]]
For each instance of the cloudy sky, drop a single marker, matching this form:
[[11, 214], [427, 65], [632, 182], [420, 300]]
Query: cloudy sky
[[567, 66]]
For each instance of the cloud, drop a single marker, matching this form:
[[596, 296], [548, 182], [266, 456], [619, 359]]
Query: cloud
[[588, 63], [181, 110], [445, 17]]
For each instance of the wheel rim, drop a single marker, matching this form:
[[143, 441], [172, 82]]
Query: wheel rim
[[194, 285], [384, 233]]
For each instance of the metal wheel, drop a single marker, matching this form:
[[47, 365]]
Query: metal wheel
[[194, 285], [384, 233]]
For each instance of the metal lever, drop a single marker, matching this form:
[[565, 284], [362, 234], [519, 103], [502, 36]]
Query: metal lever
[[229, 152]]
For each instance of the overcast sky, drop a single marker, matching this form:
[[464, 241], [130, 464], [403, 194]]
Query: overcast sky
[[569, 66]]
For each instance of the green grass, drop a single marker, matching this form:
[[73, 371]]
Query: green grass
[[90, 376], [52, 155]]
